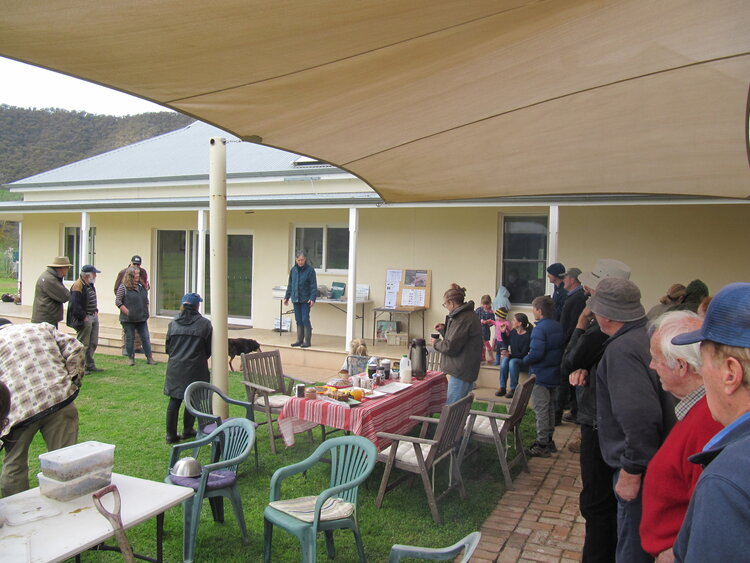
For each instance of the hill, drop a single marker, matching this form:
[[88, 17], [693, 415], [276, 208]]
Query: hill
[[36, 140]]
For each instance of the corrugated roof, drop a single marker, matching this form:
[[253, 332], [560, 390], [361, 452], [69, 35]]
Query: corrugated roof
[[181, 153]]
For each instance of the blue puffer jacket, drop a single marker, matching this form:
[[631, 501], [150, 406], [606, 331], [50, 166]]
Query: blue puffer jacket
[[545, 354], [303, 284]]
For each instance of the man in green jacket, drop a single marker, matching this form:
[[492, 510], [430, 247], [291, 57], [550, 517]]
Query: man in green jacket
[[51, 293]]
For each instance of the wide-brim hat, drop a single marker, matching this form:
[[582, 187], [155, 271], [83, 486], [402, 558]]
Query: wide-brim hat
[[605, 268], [727, 319], [60, 262], [617, 300]]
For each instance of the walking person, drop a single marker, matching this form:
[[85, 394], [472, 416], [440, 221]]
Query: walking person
[[51, 293], [189, 348], [302, 289], [83, 314], [132, 301]]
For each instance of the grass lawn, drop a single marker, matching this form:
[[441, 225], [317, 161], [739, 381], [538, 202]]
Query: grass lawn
[[8, 285], [125, 406]]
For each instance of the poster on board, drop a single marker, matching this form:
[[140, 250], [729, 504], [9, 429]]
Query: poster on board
[[409, 289]]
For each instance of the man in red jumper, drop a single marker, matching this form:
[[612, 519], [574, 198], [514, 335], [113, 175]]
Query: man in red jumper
[[671, 478]]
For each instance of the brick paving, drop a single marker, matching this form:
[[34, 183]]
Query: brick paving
[[538, 520]]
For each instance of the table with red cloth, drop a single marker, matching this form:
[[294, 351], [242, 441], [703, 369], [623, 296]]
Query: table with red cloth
[[384, 414]]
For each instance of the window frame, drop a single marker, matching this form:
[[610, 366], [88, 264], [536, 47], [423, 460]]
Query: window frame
[[323, 269], [502, 259], [74, 257]]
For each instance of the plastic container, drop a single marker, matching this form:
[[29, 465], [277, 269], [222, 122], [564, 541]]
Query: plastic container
[[74, 461], [404, 374], [67, 490]]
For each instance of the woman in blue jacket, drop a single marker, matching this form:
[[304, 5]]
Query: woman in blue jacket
[[302, 289]]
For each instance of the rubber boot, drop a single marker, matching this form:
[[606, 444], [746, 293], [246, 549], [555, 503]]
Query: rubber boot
[[150, 361], [300, 335], [308, 335], [172, 415], [188, 421]]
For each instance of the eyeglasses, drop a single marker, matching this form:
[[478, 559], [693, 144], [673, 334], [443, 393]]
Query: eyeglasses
[[445, 304]]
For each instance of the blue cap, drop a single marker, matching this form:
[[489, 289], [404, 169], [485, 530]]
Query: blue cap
[[727, 319], [191, 299], [556, 269]]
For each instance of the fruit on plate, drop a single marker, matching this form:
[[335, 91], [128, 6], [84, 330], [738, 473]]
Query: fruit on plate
[[357, 394]]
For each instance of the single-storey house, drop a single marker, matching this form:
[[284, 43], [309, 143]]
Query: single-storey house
[[151, 199]]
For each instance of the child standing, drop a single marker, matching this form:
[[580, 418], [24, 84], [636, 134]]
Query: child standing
[[519, 341], [502, 330], [486, 319]]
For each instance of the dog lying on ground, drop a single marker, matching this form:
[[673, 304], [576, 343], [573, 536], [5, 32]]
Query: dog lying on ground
[[239, 346]]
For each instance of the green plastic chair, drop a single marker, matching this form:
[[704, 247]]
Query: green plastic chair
[[352, 459], [468, 545], [217, 479]]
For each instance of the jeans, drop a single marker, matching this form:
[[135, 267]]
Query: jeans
[[130, 329], [629, 548], [458, 389], [302, 314], [544, 408], [88, 335], [597, 501], [513, 365]]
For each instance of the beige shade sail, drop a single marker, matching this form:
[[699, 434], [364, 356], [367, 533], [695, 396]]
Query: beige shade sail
[[436, 100]]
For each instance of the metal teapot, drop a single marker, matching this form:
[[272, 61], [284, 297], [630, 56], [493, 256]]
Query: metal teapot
[[418, 357]]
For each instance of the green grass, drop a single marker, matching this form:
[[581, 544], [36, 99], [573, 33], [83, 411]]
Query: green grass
[[125, 406], [8, 285]]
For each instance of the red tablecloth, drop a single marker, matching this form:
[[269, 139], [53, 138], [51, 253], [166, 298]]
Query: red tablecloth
[[385, 414]]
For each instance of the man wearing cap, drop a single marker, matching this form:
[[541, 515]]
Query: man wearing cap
[[671, 478], [716, 523], [555, 273], [634, 413], [51, 293], [83, 314], [575, 302], [189, 347], [135, 261]]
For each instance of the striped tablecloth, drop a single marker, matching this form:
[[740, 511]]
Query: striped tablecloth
[[385, 414]]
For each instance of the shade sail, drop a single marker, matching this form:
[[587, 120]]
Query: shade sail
[[436, 100]]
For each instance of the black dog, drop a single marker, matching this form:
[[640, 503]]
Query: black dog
[[239, 346]]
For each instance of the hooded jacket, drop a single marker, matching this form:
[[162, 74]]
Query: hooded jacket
[[462, 343], [189, 347]]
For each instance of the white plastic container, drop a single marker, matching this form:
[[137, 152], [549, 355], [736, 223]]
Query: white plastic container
[[67, 490], [404, 374], [74, 461]]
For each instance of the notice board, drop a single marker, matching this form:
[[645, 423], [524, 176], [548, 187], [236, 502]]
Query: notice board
[[407, 289]]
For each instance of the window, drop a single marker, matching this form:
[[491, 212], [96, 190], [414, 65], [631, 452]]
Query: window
[[327, 248], [524, 257], [72, 248]]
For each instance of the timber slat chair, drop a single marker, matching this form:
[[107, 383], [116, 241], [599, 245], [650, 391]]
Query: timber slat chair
[[468, 545], [434, 360], [421, 455], [498, 428], [268, 389]]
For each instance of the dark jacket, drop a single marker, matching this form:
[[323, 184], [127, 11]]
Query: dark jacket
[[574, 304], [462, 343], [519, 344], [189, 347], [80, 293], [584, 351], [303, 284], [49, 296], [545, 352], [558, 298], [136, 300], [633, 412]]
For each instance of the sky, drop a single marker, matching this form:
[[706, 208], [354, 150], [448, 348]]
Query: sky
[[28, 86]]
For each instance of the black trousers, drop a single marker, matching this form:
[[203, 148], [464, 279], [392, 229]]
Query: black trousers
[[597, 501]]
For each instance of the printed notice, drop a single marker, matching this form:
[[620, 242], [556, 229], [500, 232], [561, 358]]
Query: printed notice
[[412, 297]]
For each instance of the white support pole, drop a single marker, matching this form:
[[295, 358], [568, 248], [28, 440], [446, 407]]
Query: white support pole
[[218, 272], [200, 283], [83, 242], [552, 241], [351, 300]]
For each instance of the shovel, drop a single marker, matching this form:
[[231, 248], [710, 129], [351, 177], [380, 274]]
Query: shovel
[[114, 520]]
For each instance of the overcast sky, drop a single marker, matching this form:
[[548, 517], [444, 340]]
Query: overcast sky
[[28, 86]]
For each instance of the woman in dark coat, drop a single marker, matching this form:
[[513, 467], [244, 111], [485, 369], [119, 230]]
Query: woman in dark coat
[[302, 289], [188, 347]]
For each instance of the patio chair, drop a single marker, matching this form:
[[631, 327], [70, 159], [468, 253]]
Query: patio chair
[[352, 459], [434, 360], [484, 428], [468, 545], [421, 455], [268, 389], [356, 364], [217, 479], [199, 398]]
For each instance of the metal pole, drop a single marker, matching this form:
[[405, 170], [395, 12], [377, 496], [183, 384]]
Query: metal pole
[[218, 249], [200, 282], [552, 241], [351, 300]]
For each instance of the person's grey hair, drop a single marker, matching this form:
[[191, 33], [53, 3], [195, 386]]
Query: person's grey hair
[[670, 325], [300, 253]]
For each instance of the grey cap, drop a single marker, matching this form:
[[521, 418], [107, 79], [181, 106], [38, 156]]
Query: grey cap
[[605, 268], [617, 300], [573, 273]]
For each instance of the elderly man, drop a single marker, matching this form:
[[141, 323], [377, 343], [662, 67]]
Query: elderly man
[[716, 523], [671, 478], [43, 368], [51, 293], [634, 413], [83, 314], [575, 302]]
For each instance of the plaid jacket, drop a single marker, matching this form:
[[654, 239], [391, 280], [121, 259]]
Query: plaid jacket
[[42, 367]]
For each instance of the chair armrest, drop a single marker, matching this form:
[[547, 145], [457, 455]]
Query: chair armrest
[[424, 419], [289, 383], [261, 388], [500, 415], [283, 472], [249, 412], [177, 448], [402, 438]]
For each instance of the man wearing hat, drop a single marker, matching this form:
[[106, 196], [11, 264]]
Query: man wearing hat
[[555, 275], [715, 526], [51, 293], [83, 314], [135, 261], [575, 302], [634, 413]]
